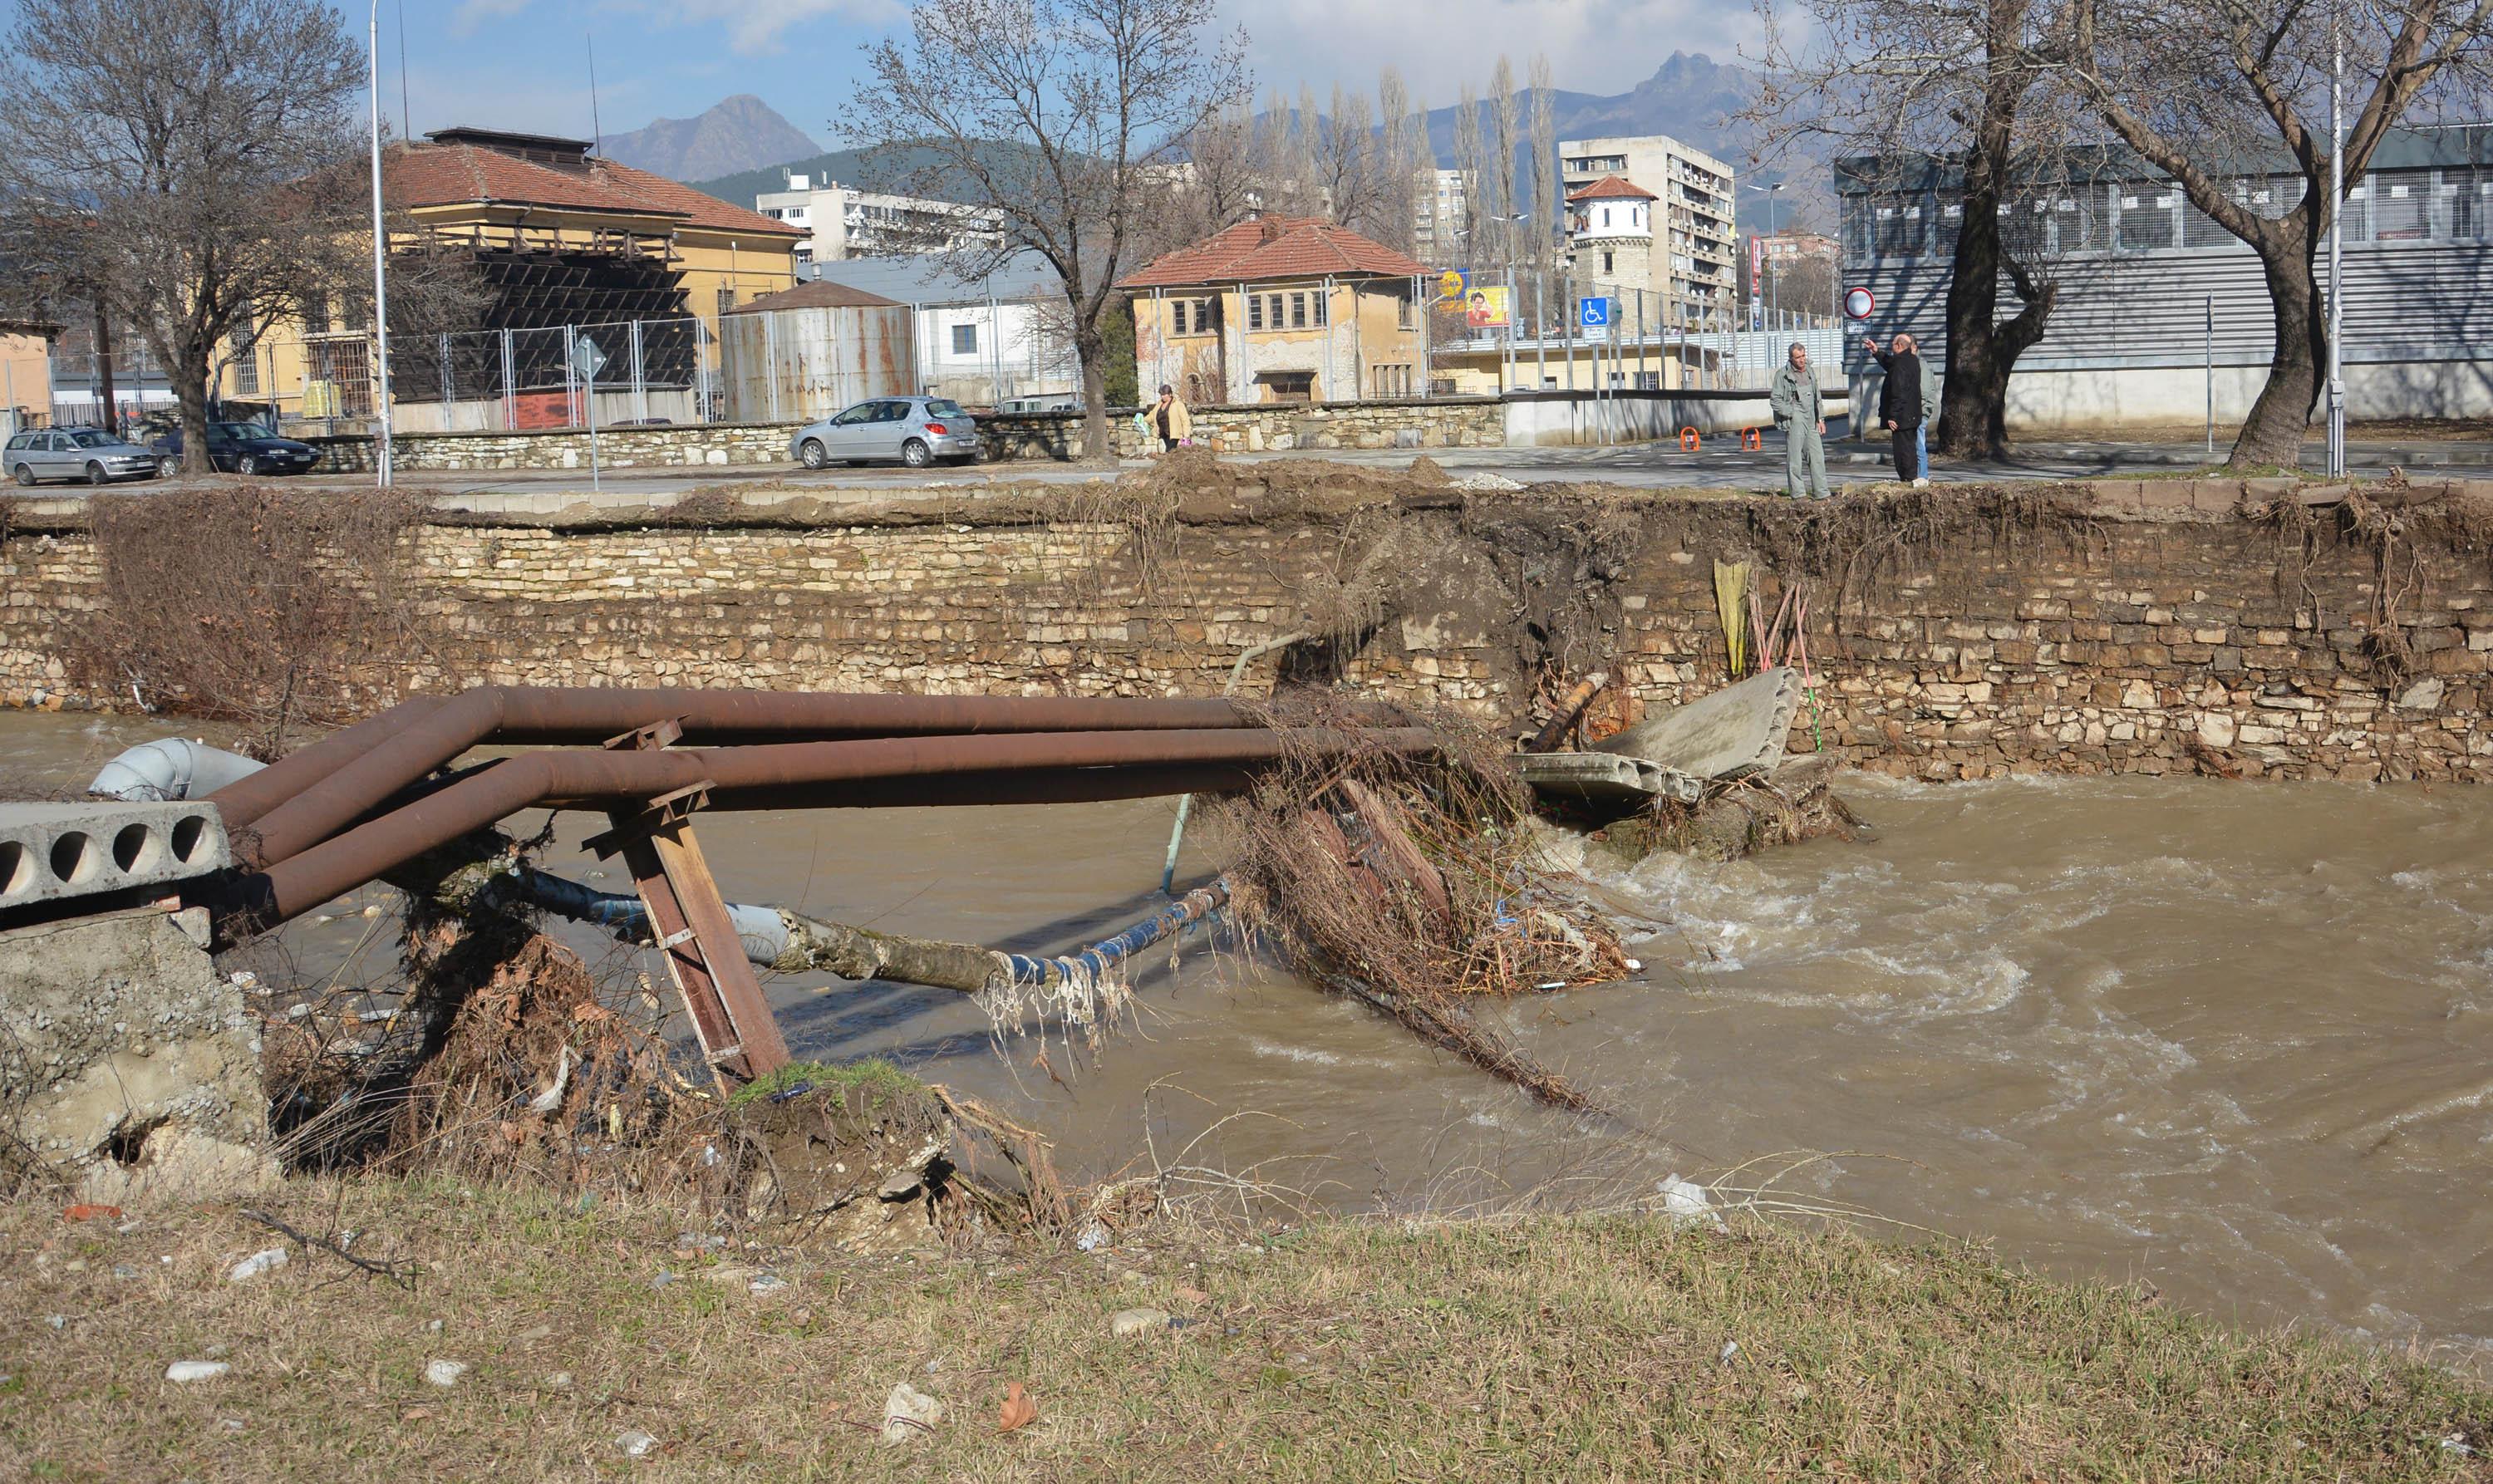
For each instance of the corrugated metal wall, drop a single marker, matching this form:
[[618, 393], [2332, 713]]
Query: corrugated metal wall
[[787, 366]]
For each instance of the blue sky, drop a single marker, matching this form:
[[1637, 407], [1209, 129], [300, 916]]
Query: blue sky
[[523, 63]]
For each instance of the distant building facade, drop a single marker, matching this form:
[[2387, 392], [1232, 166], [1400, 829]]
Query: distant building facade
[[996, 337], [1281, 309], [2157, 303], [841, 223], [1686, 263], [1440, 202]]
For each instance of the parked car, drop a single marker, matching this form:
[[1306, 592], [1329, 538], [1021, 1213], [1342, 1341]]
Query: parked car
[[917, 430], [90, 453], [1045, 402], [244, 448]]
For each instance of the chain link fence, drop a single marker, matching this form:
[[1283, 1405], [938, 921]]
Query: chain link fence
[[1560, 329]]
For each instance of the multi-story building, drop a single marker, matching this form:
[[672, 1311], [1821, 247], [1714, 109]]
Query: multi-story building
[[841, 223], [1687, 262], [1438, 203]]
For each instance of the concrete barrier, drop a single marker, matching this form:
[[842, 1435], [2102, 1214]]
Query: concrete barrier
[[51, 852]]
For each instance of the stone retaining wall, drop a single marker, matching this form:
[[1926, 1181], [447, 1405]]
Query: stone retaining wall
[[2146, 626]]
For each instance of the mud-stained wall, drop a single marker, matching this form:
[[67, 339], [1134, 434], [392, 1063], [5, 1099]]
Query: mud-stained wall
[[2244, 628]]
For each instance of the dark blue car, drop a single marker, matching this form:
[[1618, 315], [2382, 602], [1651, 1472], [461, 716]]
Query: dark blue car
[[244, 448]]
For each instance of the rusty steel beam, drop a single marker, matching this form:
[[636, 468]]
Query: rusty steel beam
[[325, 799], [805, 774]]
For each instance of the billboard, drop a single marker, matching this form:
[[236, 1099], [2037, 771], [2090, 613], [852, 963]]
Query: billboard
[[1486, 308]]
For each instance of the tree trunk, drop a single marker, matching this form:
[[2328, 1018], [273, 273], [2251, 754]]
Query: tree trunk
[[2273, 435], [1981, 351], [188, 370], [1091, 349]]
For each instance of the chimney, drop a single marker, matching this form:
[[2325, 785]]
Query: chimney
[[1271, 230]]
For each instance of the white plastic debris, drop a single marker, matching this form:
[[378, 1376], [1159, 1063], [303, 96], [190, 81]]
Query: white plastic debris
[[1730, 1348], [1687, 1201], [635, 1444], [267, 1260], [1138, 1322], [1093, 1237], [445, 1374], [909, 1412], [184, 1372]]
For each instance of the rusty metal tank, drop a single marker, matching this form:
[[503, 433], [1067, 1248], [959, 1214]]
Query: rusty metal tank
[[809, 351]]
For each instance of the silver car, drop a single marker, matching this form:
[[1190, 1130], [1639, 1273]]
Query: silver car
[[89, 453], [917, 430]]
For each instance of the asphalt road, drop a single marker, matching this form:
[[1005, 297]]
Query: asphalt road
[[1719, 464]]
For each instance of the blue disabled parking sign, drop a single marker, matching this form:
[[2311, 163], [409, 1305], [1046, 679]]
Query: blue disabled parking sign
[[1593, 313]]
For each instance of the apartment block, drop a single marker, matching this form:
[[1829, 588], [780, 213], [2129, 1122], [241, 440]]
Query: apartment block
[[843, 223], [1665, 227]]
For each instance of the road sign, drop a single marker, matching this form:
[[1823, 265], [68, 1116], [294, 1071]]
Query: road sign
[[587, 359], [1859, 302], [1757, 313], [1593, 313], [1450, 286]]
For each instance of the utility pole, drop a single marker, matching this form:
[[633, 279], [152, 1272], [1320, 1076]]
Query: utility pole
[[2337, 198], [381, 246], [108, 415]]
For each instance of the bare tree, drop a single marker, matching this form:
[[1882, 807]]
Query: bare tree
[[1932, 88], [1548, 212], [1400, 142], [1501, 153], [2204, 89], [167, 157], [1348, 168], [1471, 160], [1059, 118], [1223, 185]]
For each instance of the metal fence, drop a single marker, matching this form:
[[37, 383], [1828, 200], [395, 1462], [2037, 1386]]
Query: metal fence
[[1564, 330]]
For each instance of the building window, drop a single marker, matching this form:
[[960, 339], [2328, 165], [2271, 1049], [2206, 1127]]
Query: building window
[[1254, 311], [726, 300], [1298, 311], [965, 340], [1318, 313], [1190, 316], [1610, 264], [246, 363]]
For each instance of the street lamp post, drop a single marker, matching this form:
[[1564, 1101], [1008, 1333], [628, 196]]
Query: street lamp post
[[380, 283]]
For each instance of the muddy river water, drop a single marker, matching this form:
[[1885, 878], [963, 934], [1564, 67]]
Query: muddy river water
[[2236, 1040]]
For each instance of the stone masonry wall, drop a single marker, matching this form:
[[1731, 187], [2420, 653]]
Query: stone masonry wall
[[2156, 629], [1460, 423]]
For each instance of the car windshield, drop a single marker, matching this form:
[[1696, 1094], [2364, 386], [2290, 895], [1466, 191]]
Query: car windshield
[[236, 430], [90, 438], [942, 406]]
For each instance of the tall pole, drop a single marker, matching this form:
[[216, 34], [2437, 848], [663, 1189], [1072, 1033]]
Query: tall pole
[[1774, 278], [2337, 299], [380, 283]]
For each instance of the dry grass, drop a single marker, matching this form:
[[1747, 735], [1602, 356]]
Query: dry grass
[[1539, 1348]]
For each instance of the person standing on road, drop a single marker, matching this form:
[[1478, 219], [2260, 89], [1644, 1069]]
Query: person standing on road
[[1171, 420], [1930, 380], [1798, 408], [1901, 409]]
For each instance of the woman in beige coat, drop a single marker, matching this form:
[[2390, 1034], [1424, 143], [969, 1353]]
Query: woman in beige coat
[[1170, 421]]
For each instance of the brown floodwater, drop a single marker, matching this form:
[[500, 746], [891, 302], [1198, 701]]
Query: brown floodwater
[[2236, 1040]]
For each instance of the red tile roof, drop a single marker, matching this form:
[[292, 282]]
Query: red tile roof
[[1612, 188], [1270, 248], [463, 174]]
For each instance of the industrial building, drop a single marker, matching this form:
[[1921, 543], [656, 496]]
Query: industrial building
[[994, 338], [2162, 313]]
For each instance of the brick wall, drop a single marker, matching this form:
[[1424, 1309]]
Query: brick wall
[[2155, 628]]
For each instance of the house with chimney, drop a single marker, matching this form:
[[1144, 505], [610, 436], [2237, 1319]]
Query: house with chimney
[[1281, 309]]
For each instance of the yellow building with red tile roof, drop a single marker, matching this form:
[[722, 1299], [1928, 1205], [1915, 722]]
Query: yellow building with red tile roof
[[560, 238], [1281, 309]]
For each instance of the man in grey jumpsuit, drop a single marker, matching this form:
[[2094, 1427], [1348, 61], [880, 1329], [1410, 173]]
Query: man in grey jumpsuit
[[1796, 406]]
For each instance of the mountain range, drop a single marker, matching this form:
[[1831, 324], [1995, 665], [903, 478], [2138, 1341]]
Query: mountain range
[[738, 134], [1690, 97]]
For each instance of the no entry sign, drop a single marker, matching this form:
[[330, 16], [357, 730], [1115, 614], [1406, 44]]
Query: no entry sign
[[1859, 302]]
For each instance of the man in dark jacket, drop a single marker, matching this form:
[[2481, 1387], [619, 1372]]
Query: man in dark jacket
[[1899, 412]]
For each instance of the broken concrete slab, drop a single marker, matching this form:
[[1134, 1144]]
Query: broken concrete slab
[[1737, 730], [1605, 779], [50, 852]]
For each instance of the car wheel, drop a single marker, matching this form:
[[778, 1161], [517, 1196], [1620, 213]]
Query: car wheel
[[813, 455], [95, 474], [915, 454], [246, 466], [22, 474]]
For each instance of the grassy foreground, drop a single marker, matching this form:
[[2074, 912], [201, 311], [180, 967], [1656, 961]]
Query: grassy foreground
[[1528, 1348]]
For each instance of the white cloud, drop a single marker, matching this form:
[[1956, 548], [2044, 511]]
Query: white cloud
[[759, 27], [474, 14]]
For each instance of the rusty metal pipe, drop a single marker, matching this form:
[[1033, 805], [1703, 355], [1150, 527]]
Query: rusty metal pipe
[[320, 806], [761, 777], [246, 799]]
